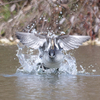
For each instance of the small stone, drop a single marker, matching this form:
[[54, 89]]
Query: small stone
[[17, 41], [4, 40], [11, 38]]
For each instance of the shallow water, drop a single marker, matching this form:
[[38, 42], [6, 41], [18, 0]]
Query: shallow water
[[85, 85]]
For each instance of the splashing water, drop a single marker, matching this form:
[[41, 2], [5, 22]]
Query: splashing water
[[28, 58], [69, 64]]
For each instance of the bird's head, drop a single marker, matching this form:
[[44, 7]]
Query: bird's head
[[52, 53]]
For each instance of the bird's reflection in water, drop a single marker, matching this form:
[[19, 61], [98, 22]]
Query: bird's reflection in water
[[42, 87]]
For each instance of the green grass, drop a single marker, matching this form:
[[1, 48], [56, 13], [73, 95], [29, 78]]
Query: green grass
[[6, 12], [2, 31]]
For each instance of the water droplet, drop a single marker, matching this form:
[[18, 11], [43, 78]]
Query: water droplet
[[61, 12], [93, 70], [59, 27]]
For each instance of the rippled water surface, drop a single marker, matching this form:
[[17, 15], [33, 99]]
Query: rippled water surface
[[84, 85]]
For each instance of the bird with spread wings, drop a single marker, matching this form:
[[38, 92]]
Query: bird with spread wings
[[51, 48]]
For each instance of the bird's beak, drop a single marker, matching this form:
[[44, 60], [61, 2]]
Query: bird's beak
[[51, 55]]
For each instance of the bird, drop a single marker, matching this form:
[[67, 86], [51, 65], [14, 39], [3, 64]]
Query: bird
[[51, 47]]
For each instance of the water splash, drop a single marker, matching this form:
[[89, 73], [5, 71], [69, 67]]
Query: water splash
[[28, 58], [89, 70], [69, 65]]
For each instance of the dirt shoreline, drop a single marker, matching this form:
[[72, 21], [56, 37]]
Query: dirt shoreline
[[5, 41]]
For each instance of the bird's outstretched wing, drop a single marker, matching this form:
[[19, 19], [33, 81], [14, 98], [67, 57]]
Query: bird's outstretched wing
[[31, 40], [68, 42]]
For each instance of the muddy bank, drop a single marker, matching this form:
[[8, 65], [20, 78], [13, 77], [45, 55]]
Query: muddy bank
[[5, 41]]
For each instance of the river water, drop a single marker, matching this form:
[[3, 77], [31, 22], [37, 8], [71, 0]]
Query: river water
[[85, 85]]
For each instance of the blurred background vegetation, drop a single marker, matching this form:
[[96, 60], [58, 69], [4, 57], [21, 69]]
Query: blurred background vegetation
[[81, 17]]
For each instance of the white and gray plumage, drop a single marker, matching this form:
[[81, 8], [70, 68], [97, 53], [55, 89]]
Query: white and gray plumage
[[50, 48]]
